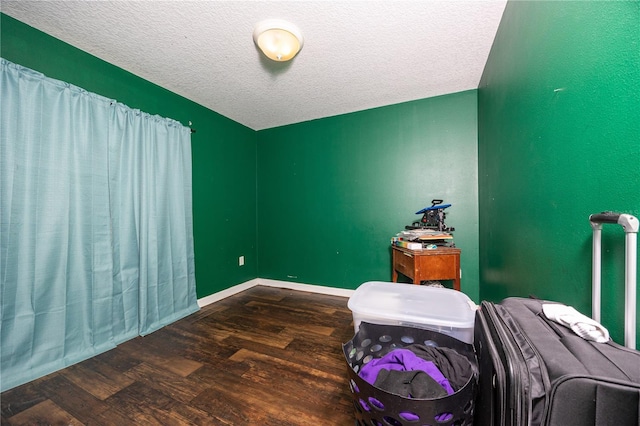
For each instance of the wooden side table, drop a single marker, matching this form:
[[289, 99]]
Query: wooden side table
[[442, 263]]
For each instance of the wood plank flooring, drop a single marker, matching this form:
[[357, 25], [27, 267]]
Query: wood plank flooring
[[265, 356]]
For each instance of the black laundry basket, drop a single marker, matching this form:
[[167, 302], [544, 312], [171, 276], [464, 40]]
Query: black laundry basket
[[376, 407]]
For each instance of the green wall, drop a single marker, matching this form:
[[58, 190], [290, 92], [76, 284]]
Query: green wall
[[223, 151], [332, 192], [559, 139]]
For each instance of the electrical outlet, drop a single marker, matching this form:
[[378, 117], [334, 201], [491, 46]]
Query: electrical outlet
[[241, 261]]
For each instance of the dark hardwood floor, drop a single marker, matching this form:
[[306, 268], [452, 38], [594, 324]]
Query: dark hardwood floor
[[265, 356]]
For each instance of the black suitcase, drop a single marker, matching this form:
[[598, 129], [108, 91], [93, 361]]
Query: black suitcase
[[536, 372], [533, 371]]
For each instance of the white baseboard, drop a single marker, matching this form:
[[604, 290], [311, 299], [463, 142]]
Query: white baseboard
[[333, 291], [273, 283], [207, 300]]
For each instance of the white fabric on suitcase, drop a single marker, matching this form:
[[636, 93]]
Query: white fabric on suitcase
[[582, 325]]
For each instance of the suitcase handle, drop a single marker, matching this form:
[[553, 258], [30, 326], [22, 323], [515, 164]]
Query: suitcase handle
[[604, 217], [630, 225]]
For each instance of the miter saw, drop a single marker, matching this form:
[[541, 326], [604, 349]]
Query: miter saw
[[432, 217]]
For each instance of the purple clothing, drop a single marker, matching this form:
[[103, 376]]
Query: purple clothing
[[403, 360]]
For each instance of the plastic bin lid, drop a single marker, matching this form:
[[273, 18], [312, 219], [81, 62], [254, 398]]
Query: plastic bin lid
[[415, 304]]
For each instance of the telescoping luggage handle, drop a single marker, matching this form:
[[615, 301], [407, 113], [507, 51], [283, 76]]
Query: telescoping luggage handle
[[630, 225]]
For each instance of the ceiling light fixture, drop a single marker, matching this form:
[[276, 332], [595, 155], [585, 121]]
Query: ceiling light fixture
[[279, 40]]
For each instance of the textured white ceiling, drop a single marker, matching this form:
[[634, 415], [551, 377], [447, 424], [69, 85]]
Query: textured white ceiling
[[356, 55]]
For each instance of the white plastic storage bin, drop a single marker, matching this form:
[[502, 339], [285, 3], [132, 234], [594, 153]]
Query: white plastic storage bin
[[443, 310]]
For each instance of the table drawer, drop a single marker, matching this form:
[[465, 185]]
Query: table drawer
[[437, 267], [404, 263]]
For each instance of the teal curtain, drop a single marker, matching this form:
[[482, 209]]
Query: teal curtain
[[150, 176], [96, 233]]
